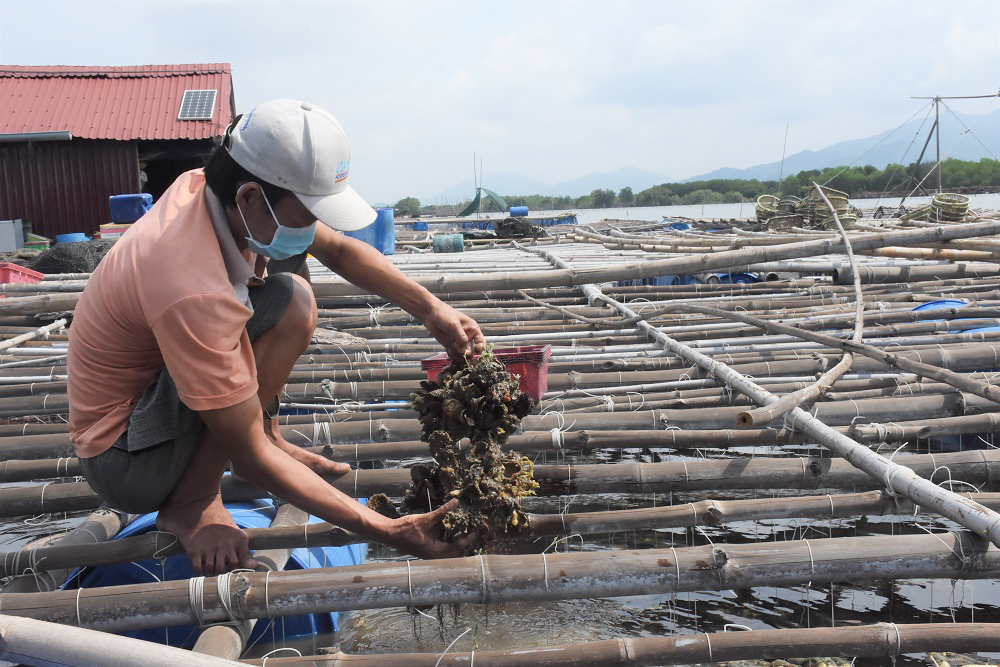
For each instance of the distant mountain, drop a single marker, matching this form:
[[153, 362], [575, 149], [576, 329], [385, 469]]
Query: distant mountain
[[637, 179], [985, 128], [508, 183]]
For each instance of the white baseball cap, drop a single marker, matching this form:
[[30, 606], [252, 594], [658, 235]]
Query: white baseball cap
[[301, 148]]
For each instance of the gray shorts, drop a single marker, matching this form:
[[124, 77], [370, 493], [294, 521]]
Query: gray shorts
[[140, 470]]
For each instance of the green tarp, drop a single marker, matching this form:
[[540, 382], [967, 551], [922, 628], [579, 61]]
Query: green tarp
[[489, 196]]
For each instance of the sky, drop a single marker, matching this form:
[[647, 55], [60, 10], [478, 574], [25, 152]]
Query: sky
[[550, 89]]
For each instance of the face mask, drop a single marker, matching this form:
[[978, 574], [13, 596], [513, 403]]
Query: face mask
[[287, 241]]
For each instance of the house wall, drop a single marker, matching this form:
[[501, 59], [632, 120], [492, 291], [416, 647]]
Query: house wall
[[63, 186]]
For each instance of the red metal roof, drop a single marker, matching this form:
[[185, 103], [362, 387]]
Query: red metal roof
[[136, 102]]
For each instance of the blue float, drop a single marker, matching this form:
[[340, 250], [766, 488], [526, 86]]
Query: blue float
[[257, 514]]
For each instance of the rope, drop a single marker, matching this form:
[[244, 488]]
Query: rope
[[677, 569], [899, 640], [79, 622], [409, 581], [224, 586], [267, 605], [450, 645], [482, 565], [196, 598], [557, 439]]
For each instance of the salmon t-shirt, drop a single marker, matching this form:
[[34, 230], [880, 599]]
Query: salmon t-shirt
[[161, 297]]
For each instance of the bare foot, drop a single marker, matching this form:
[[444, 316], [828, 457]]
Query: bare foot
[[318, 464], [208, 534]]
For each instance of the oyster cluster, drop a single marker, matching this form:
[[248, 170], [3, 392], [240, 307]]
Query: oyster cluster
[[479, 401]]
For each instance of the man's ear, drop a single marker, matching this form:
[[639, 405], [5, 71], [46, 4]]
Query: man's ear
[[247, 193]]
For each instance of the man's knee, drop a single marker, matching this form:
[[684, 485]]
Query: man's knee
[[302, 307]]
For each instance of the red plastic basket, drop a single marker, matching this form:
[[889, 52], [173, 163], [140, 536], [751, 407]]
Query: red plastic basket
[[12, 273], [530, 362]]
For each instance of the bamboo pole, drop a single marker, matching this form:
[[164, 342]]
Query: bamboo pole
[[30, 577], [880, 640], [977, 467], [701, 513], [32, 642], [34, 305], [497, 579], [41, 331], [910, 274]]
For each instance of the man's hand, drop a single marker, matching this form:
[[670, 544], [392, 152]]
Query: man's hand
[[418, 534], [459, 334]]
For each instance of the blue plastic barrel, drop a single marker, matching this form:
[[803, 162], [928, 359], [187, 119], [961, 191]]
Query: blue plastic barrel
[[129, 208], [255, 514], [420, 226], [385, 230], [381, 234], [519, 211], [72, 238], [942, 304]]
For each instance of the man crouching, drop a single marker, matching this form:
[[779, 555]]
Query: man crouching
[[180, 345]]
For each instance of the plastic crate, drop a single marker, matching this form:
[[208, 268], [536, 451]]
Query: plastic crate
[[12, 273], [530, 362]]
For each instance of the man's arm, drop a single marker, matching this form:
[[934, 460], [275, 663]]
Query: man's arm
[[367, 268], [239, 430]]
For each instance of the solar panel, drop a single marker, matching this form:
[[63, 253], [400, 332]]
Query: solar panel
[[197, 105]]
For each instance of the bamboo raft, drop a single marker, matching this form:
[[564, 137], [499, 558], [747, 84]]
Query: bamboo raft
[[817, 434]]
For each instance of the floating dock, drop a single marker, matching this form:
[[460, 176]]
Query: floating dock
[[824, 427]]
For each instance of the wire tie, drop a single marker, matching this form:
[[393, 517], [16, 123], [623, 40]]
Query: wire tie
[[79, 622], [899, 640], [677, 569], [708, 640]]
